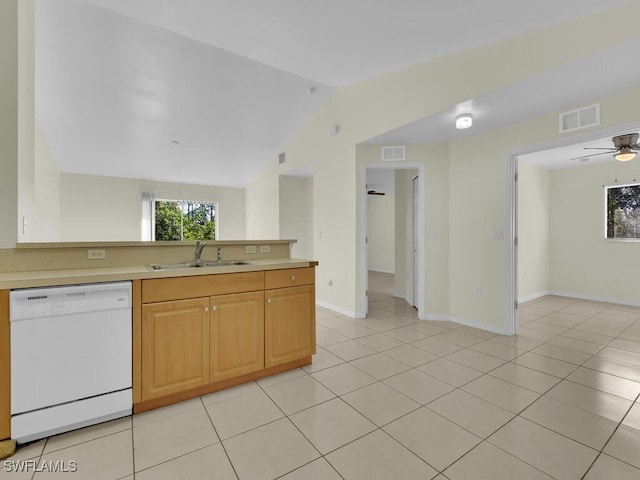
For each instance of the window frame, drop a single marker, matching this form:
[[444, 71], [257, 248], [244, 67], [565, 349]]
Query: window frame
[[606, 189], [148, 223]]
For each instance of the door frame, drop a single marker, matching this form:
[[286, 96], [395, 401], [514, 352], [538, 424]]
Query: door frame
[[364, 262], [511, 223], [415, 241]]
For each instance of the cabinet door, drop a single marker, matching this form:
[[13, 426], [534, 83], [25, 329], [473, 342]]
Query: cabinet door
[[289, 324], [236, 335], [175, 347]]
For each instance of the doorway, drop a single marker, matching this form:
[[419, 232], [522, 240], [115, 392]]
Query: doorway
[[517, 290], [411, 246]]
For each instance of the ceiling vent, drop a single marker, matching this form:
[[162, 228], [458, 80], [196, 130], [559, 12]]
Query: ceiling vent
[[581, 118], [281, 158], [392, 154]]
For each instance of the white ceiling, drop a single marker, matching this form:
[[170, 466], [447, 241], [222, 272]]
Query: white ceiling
[[118, 80]]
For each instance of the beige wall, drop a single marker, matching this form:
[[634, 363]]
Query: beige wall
[[263, 203], [47, 193], [583, 263], [17, 50], [296, 214], [110, 208], [381, 232], [435, 210], [369, 108], [533, 231]]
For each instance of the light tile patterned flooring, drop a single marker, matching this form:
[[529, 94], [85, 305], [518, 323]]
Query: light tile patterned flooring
[[391, 397]]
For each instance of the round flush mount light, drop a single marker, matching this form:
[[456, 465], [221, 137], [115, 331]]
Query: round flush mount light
[[464, 120]]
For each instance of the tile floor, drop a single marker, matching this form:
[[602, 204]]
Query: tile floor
[[391, 397]]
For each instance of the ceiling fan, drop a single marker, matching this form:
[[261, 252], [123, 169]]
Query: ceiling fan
[[626, 148]]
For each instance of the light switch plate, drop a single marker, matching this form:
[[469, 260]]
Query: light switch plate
[[265, 248], [250, 249]]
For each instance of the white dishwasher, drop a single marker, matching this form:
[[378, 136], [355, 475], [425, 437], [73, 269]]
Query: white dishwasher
[[70, 358]]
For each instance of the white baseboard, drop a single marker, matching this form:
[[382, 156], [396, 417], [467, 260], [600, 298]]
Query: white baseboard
[[340, 310], [436, 317], [440, 317], [594, 298], [532, 296], [381, 270]]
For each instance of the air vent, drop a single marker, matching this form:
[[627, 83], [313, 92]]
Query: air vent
[[581, 118], [281, 158], [392, 154]]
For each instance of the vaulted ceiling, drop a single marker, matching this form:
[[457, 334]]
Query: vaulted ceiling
[[208, 91]]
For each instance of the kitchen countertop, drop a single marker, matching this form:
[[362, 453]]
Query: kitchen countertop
[[45, 278]]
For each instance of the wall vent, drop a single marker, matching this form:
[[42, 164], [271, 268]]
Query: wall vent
[[580, 118], [281, 158], [392, 154]]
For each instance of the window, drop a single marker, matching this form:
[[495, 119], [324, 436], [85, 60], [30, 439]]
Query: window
[[623, 211], [170, 219]]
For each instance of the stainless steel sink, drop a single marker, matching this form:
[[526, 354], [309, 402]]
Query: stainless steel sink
[[186, 265]]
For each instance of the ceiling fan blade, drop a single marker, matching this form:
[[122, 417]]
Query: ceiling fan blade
[[601, 148], [592, 155]]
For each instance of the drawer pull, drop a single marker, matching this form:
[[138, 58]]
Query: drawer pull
[[214, 308], [268, 300], [293, 278]]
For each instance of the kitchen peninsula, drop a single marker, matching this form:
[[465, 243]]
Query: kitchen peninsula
[[195, 330]]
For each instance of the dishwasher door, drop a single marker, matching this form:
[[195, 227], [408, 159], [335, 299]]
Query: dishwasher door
[[70, 344]]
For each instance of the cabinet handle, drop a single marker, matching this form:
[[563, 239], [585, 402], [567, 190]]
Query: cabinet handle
[[268, 300], [206, 309], [293, 277], [214, 308]]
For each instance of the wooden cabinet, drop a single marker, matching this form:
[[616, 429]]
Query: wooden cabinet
[[289, 324], [290, 315], [198, 334], [236, 335], [175, 346]]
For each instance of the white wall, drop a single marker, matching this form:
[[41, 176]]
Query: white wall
[[296, 214], [583, 263], [533, 231], [381, 232], [110, 208]]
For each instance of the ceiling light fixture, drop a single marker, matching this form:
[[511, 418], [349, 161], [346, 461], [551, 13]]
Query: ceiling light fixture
[[464, 120], [625, 155]]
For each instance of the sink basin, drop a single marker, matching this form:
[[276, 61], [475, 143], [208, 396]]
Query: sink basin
[[186, 265]]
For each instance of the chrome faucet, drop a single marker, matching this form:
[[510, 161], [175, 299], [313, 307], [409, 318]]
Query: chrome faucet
[[199, 247]]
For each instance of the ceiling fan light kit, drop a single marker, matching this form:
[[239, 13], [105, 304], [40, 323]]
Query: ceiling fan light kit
[[625, 155]]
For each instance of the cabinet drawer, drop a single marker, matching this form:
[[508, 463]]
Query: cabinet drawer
[[289, 277], [176, 288]]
